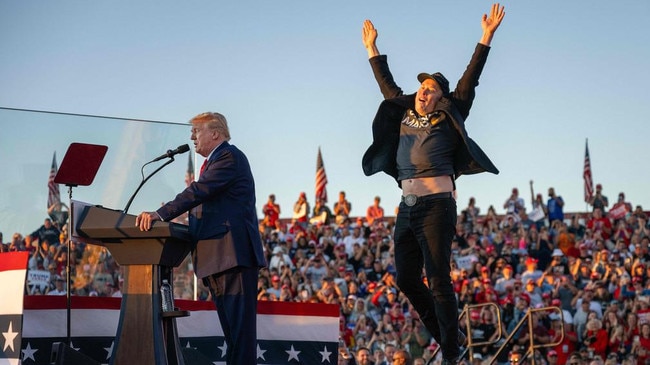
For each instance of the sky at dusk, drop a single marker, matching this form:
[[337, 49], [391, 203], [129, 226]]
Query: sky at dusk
[[293, 76]]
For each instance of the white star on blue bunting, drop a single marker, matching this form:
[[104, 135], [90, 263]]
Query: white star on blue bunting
[[293, 354], [9, 336], [28, 353], [325, 354], [260, 352], [223, 348], [109, 350]]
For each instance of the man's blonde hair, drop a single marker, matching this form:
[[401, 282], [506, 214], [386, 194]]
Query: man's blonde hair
[[214, 121]]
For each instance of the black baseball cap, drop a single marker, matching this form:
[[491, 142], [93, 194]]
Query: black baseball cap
[[437, 77]]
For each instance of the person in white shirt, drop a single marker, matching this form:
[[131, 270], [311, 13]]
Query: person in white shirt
[[59, 287], [279, 259]]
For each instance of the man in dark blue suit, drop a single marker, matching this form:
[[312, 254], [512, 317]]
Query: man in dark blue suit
[[224, 228]]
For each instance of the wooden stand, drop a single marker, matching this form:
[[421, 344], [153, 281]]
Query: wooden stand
[[145, 334]]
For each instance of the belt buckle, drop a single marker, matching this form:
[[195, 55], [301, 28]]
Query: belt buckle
[[410, 200]]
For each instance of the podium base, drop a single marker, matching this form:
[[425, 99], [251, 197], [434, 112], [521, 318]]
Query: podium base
[[63, 354]]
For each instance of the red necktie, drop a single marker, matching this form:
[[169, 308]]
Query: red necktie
[[203, 167]]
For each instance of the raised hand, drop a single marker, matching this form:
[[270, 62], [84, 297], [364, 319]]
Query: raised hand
[[369, 38], [491, 23]]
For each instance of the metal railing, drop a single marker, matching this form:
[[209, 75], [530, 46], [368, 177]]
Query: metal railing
[[467, 329], [532, 346], [525, 320]]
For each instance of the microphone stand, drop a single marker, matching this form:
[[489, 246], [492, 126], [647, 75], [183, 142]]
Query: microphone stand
[[126, 209], [68, 274]]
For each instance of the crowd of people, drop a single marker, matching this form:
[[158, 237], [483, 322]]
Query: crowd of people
[[594, 267]]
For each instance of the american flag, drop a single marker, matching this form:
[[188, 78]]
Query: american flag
[[586, 174], [54, 194], [321, 179], [189, 175]]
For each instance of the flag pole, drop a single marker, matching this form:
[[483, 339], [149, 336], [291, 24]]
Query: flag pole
[[587, 176]]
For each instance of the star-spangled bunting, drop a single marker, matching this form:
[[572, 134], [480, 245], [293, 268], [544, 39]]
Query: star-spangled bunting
[[34, 352], [298, 345]]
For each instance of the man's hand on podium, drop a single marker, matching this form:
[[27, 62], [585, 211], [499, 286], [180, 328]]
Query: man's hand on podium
[[145, 219]]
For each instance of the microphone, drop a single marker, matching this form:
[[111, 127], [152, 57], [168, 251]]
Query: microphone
[[181, 149]]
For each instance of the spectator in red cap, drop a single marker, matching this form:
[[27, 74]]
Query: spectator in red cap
[[275, 290], [485, 273], [598, 200], [566, 315], [301, 210], [551, 357], [485, 329], [531, 270], [271, 212], [567, 346]]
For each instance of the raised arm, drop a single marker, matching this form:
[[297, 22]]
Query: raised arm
[[369, 37], [465, 89], [490, 24], [378, 62]]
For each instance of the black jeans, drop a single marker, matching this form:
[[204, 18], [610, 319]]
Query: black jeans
[[423, 235]]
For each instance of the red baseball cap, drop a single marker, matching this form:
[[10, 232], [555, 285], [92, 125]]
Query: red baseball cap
[[531, 260]]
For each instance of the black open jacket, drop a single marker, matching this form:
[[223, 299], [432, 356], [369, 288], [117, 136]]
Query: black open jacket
[[381, 155]]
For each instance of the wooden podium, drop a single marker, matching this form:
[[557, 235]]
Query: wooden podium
[[145, 334]]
